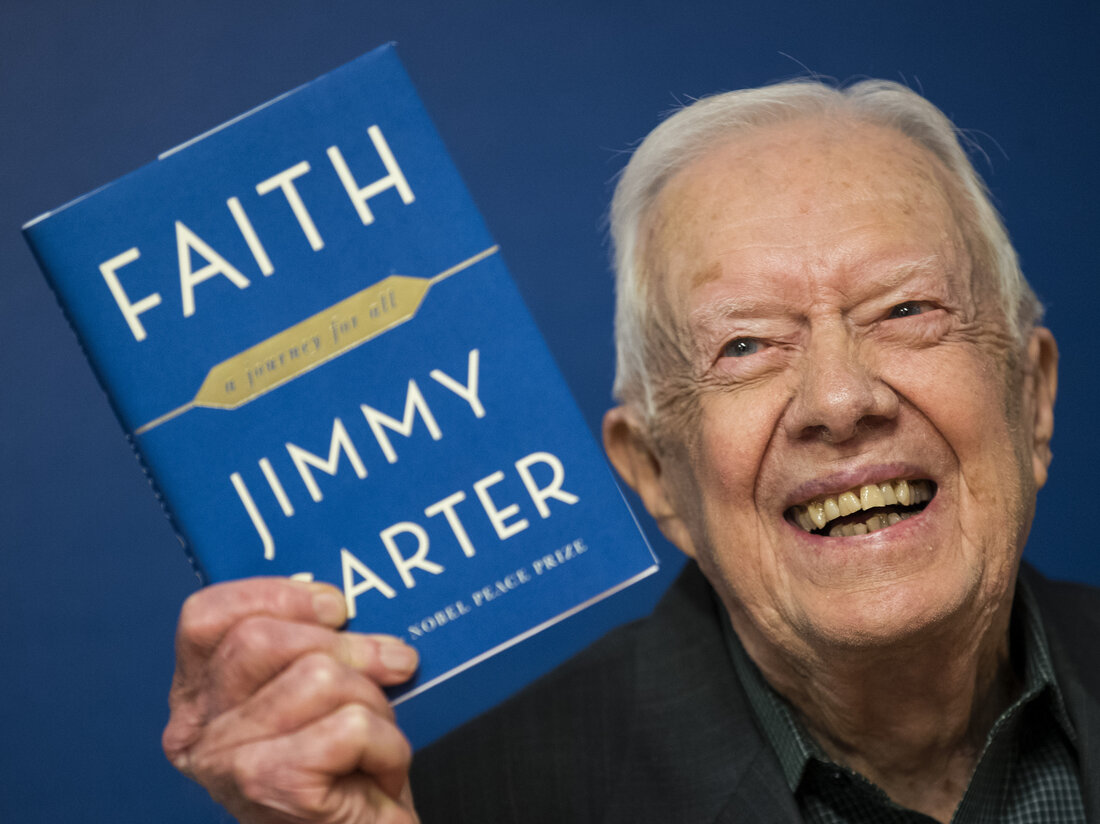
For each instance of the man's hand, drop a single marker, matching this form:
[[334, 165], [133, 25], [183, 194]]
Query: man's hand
[[281, 717]]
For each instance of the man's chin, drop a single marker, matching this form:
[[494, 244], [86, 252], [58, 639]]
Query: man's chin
[[886, 615]]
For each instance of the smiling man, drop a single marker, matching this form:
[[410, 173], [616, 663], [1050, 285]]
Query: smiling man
[[836, 399]]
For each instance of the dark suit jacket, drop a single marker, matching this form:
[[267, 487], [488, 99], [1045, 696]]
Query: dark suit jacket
[[651, 725]]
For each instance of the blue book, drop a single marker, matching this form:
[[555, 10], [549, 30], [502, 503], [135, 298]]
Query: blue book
[[316, 350]]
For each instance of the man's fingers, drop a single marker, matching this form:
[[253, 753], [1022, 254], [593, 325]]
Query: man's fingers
[[282, 716], [301, 773], [311, 688], [211, 612], [234, 638], [257, 648], [260, 664]]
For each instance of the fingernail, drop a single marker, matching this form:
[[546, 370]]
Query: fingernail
[[329, 608], [397, 657]]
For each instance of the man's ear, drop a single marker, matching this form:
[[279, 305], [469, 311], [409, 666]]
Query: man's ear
[[1042, 385], [630, 448]]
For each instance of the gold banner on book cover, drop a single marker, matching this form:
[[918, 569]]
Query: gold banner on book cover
[[313, 341]]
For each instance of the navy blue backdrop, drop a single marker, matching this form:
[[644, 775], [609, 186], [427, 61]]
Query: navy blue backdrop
[[538, 102]]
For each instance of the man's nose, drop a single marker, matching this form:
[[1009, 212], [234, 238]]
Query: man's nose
[[839, 392]]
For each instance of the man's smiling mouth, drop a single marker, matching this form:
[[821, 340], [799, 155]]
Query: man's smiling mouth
[[862, 509]]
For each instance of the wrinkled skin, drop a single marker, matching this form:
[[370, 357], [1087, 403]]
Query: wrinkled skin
[[839, 333], [280, 716]]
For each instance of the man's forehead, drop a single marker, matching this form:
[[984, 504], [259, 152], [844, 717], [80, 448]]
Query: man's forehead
[[762, 188], [804, 160]]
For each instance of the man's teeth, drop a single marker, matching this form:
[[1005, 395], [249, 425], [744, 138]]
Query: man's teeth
[[870, 525], [817, 513]]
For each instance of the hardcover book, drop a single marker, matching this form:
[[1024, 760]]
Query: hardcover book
[[317, 352]]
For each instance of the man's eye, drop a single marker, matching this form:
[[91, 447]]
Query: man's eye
[[907, 309], [740, 347]]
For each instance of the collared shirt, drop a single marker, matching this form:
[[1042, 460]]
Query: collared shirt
[[1027, 771]]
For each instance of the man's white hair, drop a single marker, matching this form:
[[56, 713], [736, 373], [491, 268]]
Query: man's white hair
[[695, 129]]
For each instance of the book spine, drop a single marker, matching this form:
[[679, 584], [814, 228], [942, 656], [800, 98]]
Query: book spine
[[36, 246]]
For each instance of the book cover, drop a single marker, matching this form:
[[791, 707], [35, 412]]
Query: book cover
[[313, 343]]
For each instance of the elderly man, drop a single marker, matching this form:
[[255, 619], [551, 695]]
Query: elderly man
[[837, 401]]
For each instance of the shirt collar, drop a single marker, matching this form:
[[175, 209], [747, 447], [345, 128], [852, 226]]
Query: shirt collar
[[796, 748]]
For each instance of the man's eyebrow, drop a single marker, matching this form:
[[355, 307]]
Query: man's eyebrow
[[887, 278], [895, 275], [726, 308]]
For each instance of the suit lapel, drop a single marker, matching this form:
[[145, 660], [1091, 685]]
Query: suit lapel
[[695, 754], [761, 795]]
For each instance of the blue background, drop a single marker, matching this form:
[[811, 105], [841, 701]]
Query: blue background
[[538, 103]]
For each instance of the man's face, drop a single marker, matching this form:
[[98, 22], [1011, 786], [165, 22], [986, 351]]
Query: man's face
[[840, 342]]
